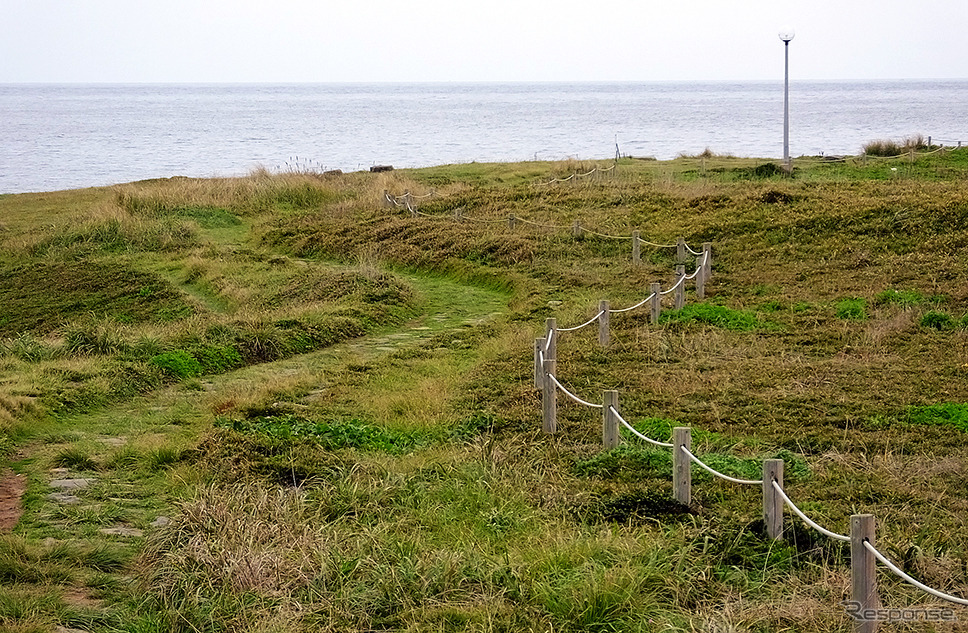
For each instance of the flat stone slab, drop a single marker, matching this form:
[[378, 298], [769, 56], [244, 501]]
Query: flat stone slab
[[121, 531], [160, 521], [71, 484], [64, 498]]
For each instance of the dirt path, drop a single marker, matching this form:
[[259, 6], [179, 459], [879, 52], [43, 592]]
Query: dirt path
[[12, 487]]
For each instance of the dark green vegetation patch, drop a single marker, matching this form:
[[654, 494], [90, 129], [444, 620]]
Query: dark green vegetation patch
[[946, 413], [716, 315], [41, 297]]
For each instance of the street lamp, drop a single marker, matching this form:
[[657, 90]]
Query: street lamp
[[786, 34]]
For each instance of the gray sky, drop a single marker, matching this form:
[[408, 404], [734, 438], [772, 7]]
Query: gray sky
[[493, 40]]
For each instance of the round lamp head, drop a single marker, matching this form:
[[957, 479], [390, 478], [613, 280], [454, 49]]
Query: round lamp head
[[786, 34]]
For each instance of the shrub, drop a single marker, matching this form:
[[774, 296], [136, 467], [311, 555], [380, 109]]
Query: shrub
[[711, 314], [937, 320], [852, 308], [905, 298], [945, 413], [216, 359], [178, 363]]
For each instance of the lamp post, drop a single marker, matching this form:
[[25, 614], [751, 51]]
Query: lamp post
[[786, 34]]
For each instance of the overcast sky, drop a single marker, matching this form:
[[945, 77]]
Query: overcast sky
[[468, 40]]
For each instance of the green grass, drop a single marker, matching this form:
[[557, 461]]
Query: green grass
[[301, 410]]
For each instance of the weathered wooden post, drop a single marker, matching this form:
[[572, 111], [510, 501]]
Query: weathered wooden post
[[511, 220], [576, 229], [603, 318], [680, 293], [681, 465], [610, 432], [700, 278], [636, 247], [863, 568], [681, 250], [772, 501], [459, 215], [387, 200], [408, 201], [539, 346], [549, 399], [656, 303]]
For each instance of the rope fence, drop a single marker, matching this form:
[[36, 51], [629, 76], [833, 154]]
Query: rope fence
[[409, 202], [575, 176], [864, 554]]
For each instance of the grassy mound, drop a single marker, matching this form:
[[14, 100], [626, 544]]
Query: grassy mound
[[329, 399]]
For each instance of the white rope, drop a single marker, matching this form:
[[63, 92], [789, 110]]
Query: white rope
[[586, 323], [573, 396], [806, 519], [548, 336], [697, 254], [903, 576], [637, 305], [681, 281], [636, 433], [748, 482], [577, 175], [653, 244]]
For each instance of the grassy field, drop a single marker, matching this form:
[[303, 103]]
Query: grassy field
[[279, 403]]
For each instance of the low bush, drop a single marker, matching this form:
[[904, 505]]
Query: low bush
[[938, 320], [713, 314], [178, 363], [851, 309]]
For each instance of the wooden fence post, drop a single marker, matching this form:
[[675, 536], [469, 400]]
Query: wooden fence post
[[539, 345], [576, 229], [681, 250], [656, 303], [551, 329], [772, 501], [459, 215], [603, 333], [680, 293], [863, 567], [387, 201], [700, 278], [681, 465], [549, 399], [610, 434], [636, 247], [511, 221]]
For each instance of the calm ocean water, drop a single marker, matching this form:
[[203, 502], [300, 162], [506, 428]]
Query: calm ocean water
[[66, 136]]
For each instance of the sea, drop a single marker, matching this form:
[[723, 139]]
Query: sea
[[55, 137]]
